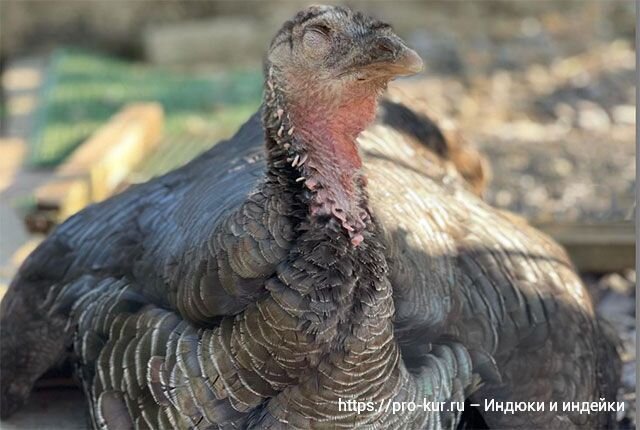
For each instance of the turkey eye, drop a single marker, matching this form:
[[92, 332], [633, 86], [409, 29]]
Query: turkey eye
[[316, 40], [321, 29]]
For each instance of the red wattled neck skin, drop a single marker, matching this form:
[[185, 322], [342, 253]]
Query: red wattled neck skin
[[317, 127]]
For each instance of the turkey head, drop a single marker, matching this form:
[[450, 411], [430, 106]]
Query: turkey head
[[325, 70]]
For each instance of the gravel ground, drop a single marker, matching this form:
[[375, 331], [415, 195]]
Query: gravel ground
[[615, 296], [560, 137]]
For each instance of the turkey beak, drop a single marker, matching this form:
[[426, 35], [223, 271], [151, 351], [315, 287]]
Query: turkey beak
[[392, 58]]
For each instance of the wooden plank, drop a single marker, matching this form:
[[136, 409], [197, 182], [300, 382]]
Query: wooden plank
[[95, 170], [64, 196], [110, 154], [599, 248]]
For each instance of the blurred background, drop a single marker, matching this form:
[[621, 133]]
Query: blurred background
[[97, 95]]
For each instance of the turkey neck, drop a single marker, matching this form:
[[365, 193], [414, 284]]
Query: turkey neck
[[334, 281], [312, 152], [312, 149]]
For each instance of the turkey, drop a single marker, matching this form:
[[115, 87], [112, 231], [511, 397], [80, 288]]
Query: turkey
[[306, 262]]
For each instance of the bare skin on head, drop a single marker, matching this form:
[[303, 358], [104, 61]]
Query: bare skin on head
[[325, 71]]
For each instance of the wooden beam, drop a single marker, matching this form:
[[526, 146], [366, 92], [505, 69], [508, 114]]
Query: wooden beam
[[96, 169], [600, 247], [109, 155], [63, 196]]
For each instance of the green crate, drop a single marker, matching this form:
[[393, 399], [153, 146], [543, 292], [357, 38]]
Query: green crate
[[84, 90]]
